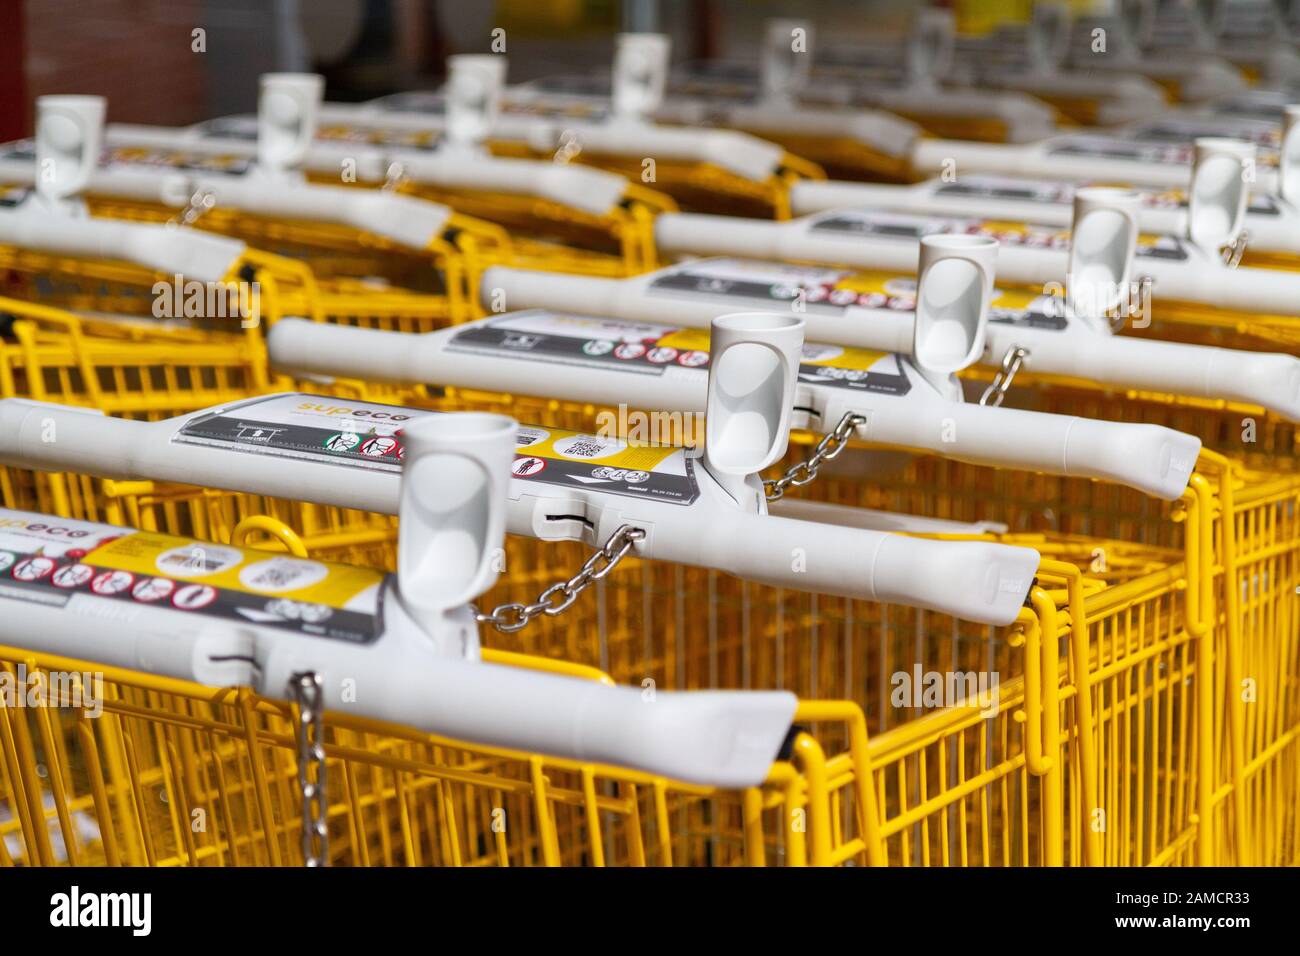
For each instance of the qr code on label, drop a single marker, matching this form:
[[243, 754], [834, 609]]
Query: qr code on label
[[274, 577], [192, 562], [585, 449]]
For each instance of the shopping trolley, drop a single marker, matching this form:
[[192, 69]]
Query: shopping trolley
[[204, 772], [560, 216], [326, 268], [711, 169]]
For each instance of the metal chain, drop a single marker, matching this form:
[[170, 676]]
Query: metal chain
[[555, 599], [394, 178], [1001, 384], [1233, 251], [307, 691], [828, 448], [1120, 319], [201, 201]]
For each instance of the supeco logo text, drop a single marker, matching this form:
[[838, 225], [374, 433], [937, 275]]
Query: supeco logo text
[[353, 412], [42, 528]]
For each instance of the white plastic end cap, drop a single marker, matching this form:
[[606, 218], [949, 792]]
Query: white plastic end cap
[[453, 501], [640, 72], [287, 108], [69, 134], [930, 42], [1288, 172], [1048, 35], [787, 58], [474, 84], [752, 372], [1102, 245], [1222, 172], [954, 286]]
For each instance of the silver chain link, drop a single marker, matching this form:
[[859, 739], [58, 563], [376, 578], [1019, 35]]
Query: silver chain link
[[559, 596], [1001, 384], [308, 692], [394, 178], [201, 202], [1122, 315], [827, 449], [1233, 251]]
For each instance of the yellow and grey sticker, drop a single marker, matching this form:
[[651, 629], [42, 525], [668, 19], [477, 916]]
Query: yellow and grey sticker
[[167, 159], [818, 289], [605, 463], [642, 348], [368, 435], [56, 561], [870, 223], [1061, 193]]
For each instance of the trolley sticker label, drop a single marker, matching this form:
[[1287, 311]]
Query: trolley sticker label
[[1169, 142], [1060, 193], [890, 225], [59, 561], [555, 338], [308, 427], [161, 158], [834, 291], [571, 459], [302, 424]]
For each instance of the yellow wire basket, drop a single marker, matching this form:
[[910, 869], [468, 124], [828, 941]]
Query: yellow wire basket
[[168, 773], [1112, 692], [329, 273]]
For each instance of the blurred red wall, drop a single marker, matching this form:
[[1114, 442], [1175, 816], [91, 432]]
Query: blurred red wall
[[13, 95], [138, 53]]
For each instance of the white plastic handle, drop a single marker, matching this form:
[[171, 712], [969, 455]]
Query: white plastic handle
[[954, 286], [1102, 244], [474, 83], [286, 119], [640, 73], [755, 361], [1221, 173], [1288, 172], [787, 59], [69, 133], [452, 511]]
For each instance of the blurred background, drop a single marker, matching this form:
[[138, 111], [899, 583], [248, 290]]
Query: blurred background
[[175, 62]]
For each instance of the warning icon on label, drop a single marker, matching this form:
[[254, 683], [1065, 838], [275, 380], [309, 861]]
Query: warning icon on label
[[33, 569], [194, 597], [343, 441], [527, 467], [153, 589], [112, 582], [693, 358], [73, 576], [380, 446]]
